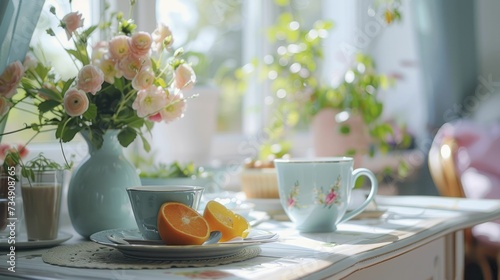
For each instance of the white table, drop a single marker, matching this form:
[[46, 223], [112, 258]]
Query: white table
[[418, 237]]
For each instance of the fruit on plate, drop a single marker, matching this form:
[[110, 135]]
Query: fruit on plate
[[179, 224], [229, 223]]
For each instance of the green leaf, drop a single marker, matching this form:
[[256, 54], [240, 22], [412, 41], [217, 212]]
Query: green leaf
[[126, 136], [91, 112], [89, 31], [79, 55], [350, 152], [344, 129], [48, 105], [69, 133], [52, 95], [50, 32], [67, 85], [145, 143], [138, 123]]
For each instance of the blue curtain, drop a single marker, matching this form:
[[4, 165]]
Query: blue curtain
[[18, 19]]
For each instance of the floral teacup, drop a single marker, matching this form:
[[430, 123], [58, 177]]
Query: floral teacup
[[315, 192]]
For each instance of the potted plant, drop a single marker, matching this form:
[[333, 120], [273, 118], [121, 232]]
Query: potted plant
[[174, 173], [301, 99]]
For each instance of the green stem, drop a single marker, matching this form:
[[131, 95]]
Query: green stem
[[128, 96]]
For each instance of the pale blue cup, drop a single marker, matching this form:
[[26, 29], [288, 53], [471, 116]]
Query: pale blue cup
[[315, 192], [147, 200]]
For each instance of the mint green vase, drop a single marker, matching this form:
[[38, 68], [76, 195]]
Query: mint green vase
[[97, 195]]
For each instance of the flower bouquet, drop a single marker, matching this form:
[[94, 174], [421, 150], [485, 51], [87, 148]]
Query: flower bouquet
[[123, 86], [125, 83]]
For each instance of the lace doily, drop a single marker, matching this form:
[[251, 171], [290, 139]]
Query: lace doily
[[93, 255]]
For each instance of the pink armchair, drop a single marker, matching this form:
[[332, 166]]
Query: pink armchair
[[464, 161]]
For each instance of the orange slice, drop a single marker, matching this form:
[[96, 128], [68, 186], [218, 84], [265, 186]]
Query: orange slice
[[179, 224], [230, 224]]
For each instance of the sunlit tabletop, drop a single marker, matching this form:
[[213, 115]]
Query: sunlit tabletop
[[406, 221]]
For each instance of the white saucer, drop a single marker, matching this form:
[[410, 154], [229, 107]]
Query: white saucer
[[175, 252], [25, 244]]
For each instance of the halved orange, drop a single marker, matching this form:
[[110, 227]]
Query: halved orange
[[230, 224], [179, 224]]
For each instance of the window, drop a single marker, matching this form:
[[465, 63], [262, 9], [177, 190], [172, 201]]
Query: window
[[220, 36], [52, 50]]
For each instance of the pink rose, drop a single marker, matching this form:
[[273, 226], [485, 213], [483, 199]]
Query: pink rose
[[71, 22], [119, 47], [140, 44], [149, 101], [176, 105], [90, 79], [184, 77], [143, 79], [330, 197], [162, 37], [291, 202], [4, 106], [76, 102], [131, 65], [10, 78]]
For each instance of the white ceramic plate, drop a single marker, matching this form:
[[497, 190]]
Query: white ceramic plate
[[180, 252], [25, 244]]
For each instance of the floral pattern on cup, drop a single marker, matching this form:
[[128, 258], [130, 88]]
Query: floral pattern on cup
[[330, 196], [292, 197]]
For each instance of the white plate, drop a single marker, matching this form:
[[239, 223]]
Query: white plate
[[179, 252], [25, 244]]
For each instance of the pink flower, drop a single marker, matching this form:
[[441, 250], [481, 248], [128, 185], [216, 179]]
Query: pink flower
[[90, 79], [76, 102], [175, 108], [184, 77], [4, 106], [291, 202], [119, 47], [143, 79], [149, 101], [7, 149], [162, 37], [71, 22], [330, 197], [23, 151], [140, 44], [110, 70], [130, 66], [155, 118], [99, 51], [10, 78]]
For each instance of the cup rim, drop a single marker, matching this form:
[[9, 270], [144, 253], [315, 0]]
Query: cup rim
[[315, 160], [165, 188]]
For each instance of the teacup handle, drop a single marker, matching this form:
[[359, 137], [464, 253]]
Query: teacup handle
[[355, 174]]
